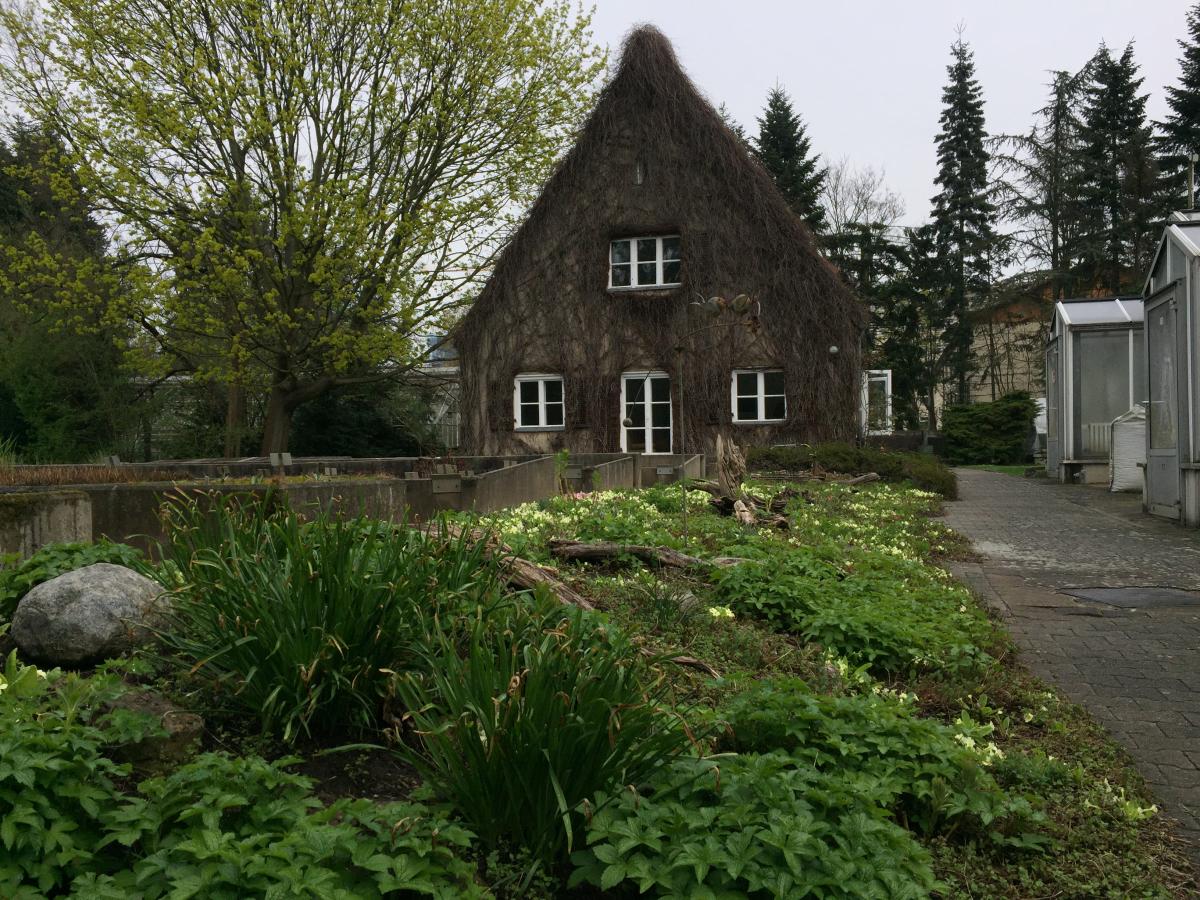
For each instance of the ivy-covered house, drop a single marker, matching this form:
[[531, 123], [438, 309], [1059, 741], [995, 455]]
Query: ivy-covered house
[[593, 319]]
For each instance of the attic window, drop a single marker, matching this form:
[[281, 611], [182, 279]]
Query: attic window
[[758, 396], [538, 402], [644, 262]]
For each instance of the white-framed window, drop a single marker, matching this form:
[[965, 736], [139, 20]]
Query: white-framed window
[[877, 401], [538, 402], [758, 395], [644, 262], [646, 412]]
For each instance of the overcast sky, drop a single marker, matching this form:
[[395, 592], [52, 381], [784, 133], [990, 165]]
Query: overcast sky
[[867, 75]]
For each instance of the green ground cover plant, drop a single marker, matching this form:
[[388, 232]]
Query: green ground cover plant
[[867, 733]]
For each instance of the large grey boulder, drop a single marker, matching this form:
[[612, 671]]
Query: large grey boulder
[[86, 616]]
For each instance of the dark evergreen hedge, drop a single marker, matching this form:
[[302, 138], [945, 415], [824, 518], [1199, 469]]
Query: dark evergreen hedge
[[996, 433]]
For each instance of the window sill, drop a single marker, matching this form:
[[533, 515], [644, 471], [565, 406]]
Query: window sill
[[758, 421], [528, 428], [645, 288]]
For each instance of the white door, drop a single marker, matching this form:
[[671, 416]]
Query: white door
[[646, 412]]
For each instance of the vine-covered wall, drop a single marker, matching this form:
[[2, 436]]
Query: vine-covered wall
[[655, 159]]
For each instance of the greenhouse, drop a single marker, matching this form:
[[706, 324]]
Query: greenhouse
[[1095, 372], [1172, 463]]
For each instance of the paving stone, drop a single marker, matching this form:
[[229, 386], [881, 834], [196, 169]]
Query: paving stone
[[1136, 670]]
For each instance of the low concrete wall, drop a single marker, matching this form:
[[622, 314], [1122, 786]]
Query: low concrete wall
[[29, 521], [665, 467], [131, 513]]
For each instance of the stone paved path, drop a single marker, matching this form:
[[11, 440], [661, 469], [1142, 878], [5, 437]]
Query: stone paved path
[[1136, 670]]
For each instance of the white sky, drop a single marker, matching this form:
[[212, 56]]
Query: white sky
[[867, 75]]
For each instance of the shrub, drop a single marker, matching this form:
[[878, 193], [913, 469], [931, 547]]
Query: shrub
[[757, 826], [301, 622], [541, 709], [995, 433], [923, 770], [18, 578], [922, 470]]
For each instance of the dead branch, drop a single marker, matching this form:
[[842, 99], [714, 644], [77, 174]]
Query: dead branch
[[593, 551]]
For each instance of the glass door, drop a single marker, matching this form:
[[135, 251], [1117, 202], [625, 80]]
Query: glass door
[[1162, 463], [646, 412]]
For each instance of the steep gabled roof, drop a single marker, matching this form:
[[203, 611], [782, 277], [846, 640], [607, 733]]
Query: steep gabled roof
[[650, 79]]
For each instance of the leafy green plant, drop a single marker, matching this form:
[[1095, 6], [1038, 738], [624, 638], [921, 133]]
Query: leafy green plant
[[301, 623], [998, 432], [18, 577], [226, 827], [58, 792], [540, 710], [926, 772], [756, 826]]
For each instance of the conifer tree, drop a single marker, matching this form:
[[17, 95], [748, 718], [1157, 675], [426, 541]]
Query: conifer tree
[[735, 126], [1040, 184], [1180, 133], [1122, 193], [785, 150], [963, 213]]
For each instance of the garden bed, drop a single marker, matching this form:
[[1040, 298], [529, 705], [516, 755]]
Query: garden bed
[[868, 733]]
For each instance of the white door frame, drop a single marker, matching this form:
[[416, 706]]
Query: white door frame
[[870, 375], [646, 376]]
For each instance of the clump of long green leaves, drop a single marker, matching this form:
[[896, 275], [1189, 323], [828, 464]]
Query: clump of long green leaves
[[302, 621], [533, 714]]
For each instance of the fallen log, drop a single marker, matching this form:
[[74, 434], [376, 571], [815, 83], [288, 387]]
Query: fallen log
[[522, 573], [864, 479], [742, 512], [594, 551]]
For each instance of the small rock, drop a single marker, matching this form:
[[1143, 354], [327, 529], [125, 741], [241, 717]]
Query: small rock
[[159, 753], [86, 616]]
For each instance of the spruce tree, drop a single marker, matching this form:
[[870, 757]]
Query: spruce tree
[[963, 214], [1039, 186], [1121, 192], [1180, 133], [786, 152]]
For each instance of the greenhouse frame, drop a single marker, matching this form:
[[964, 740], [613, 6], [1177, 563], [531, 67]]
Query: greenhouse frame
[[1172, 462], [1095, 372]]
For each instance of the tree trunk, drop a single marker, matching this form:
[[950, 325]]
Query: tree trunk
[[277, 427], [235, 421]]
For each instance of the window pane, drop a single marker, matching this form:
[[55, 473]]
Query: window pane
[[529, 416], [635, 440], [554, 390], [671, 273], [554, 414], [747, 409], [636, 413], [775, 408], [634, 389], [647, 249], [619, 276], [647, 273], [661, 440], [671, 248], [1161, 338], [1139, 368], [772, 382], [747, 384], [1102, 377], [660, 415], [619, 252], [660, 389], [529, 391]]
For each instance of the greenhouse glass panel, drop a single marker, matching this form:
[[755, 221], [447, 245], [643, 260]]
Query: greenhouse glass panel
[[1101, 364], [1163, 410], [1095, 312], [1140, 393]]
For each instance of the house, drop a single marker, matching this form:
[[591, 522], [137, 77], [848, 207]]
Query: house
[[591, 335]]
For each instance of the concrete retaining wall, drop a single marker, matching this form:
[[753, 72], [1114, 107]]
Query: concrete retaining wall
[[30, 521]]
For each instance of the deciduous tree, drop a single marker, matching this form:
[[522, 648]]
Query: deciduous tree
[[302, 184]]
